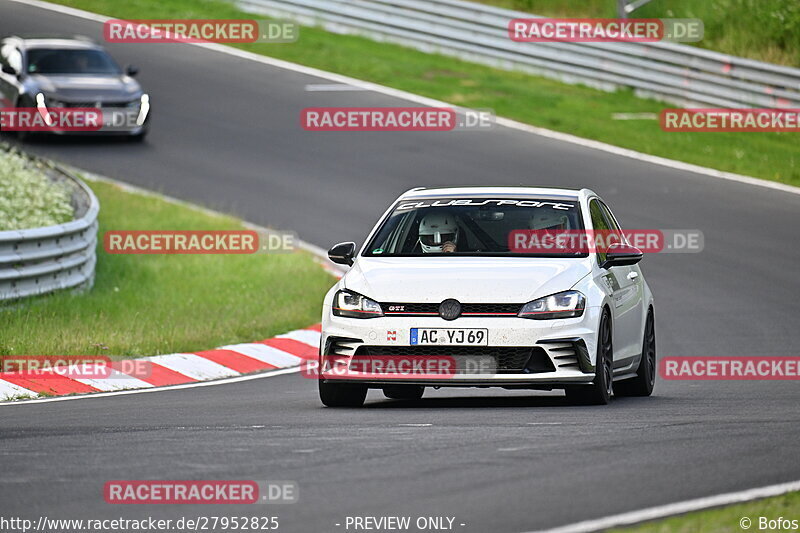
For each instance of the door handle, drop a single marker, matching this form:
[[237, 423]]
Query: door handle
[[633, 276]]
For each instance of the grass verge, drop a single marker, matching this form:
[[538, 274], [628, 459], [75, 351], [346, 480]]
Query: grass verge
[[571, 109], [728, 519], [153, 304], [28, 198], [767, 30]]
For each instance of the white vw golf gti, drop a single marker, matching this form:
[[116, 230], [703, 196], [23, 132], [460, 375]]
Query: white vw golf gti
[[486, 286]]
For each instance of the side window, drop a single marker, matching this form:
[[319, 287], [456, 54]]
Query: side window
[[598, 223], [612, 222]]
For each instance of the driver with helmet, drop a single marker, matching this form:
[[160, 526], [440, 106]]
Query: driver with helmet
[[438, 233]]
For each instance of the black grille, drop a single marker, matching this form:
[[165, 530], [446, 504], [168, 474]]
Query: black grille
[[339, 345], [104, 105], [507, 359], [432, 309]]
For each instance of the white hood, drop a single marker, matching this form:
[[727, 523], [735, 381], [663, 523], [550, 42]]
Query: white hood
[[467, 279]]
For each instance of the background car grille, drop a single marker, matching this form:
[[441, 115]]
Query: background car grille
[[103, 105], [432, 309], [507, 359]]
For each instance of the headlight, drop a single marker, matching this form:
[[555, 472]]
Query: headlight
[[144, 109], [41, 105], [568, 304], [353, 305]]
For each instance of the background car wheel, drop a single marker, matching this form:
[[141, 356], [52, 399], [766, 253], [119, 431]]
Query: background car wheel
[[25, 136], [599, 392], [342, 394], [642, 384], [404, 392]]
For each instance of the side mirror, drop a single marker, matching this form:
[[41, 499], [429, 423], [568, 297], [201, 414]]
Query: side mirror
[[8, 69], [620, 254], [343, 253], [131, 70]]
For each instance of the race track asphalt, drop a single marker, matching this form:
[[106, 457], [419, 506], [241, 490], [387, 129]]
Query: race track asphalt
[[226, 134]]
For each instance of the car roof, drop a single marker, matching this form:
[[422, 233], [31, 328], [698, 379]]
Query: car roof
[[68, 43], [454, 192]]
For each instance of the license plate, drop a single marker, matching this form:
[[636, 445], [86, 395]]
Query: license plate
[[449, 336]]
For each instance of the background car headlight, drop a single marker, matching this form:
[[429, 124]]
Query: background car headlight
[[353, 305], [568, 304]]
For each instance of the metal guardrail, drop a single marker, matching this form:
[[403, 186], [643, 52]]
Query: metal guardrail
[[42, 260], [680, 74]]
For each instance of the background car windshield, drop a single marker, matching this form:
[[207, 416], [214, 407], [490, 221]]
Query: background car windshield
[[54, 61], [475, 226]]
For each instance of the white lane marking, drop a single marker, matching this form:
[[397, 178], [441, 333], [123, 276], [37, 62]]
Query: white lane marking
[[415, 425], [97, 395], [266, 354], [663, 511], [306, 336], [192, 365], [331, 87], [8, 389], [634, 116], [116, 380], [403, 95]]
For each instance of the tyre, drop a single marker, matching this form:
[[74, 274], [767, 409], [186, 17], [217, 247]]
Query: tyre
[[600, 391], [404, 392], [645, 380], [342, 394], [25, 136]]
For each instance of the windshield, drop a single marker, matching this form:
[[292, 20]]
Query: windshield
[[472, 226], [60, 61]]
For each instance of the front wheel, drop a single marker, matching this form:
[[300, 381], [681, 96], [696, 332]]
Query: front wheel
[[25, 136], [645, 380], [342, 394], [600, 391]]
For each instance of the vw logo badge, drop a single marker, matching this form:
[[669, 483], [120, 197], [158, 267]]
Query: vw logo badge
[[450, 309]]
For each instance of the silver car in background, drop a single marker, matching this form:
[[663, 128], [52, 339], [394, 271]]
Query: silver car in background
[[48, 73]]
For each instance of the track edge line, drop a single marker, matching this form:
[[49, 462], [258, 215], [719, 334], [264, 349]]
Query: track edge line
[[675, 509]]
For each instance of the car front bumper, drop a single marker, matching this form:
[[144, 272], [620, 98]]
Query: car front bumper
[[562, 352]]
